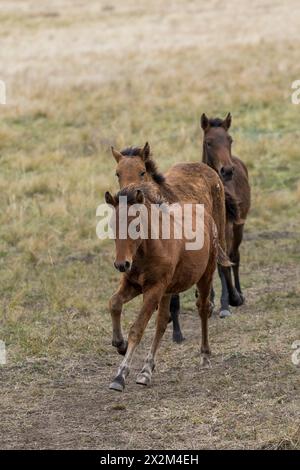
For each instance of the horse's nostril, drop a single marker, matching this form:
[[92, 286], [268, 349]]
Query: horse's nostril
[[226, 171], [122, 267]]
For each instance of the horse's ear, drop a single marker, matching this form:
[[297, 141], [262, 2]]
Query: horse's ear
[[204, 122], [227, 122], [145, 152], [109, 199], [117, 155], [139, 196]]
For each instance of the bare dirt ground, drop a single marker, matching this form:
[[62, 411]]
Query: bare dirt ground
[[80, 77], [249, 399]]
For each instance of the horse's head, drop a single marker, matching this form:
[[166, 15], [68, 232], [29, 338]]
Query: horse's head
[[126, 245], [217, 146], [135, 165]]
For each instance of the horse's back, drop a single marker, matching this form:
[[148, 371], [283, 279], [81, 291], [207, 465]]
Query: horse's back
[[192, 180], [201, 183], [193, 170]]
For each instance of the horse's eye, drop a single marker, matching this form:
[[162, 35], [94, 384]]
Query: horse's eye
[[208, 143], [142, 173], [117, 175], [230, 139]]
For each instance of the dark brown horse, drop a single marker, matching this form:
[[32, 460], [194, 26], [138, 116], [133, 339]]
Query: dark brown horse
[[217, 154], [190, 182], [158, 268]]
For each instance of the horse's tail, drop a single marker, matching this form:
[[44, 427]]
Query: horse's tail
[[219, 212], [222, 258]]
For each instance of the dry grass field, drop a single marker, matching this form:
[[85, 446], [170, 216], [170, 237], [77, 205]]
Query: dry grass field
[[81, 76]]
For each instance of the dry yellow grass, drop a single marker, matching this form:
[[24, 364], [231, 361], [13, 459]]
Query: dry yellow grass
[[81, 76]]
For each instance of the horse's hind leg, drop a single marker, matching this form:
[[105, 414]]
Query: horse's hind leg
[[150, 301], [124, 294], [225, 309], [144, 377], [204, 308], [212, 300], [235, 255], [175, 310]]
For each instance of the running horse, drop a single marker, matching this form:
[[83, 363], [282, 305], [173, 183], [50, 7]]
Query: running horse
[[233, 172], [189, 182], [157, 268]]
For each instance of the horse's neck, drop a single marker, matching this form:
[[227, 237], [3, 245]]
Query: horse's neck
[[146, 250], [166, 192], [204, 156]]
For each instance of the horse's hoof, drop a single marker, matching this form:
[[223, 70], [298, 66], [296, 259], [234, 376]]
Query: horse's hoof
[[236, 299], [123, 348], [118, 384], [225, 313], [178, 338], [143, 380], [120, 345], [205, 362]]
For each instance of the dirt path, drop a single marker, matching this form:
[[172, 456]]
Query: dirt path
[[249, 399]]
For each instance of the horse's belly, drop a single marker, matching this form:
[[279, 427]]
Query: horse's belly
[[178, 287], [185, 277]]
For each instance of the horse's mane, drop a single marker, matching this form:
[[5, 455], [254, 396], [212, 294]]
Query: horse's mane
[[149, 163], [132, 151], [215, 122]]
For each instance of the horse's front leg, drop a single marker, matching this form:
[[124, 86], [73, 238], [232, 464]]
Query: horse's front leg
[[144, 377], [124, 294], [150, 301], [230, 295]]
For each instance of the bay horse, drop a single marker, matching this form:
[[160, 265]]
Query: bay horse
[[158, 268], [185, 182], [233, 172]]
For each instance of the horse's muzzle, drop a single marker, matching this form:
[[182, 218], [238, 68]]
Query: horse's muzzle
[[123, 267], [226, 173]]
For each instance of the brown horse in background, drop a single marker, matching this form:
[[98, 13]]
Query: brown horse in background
[[158, 268], [185, 182], [234, 174]]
